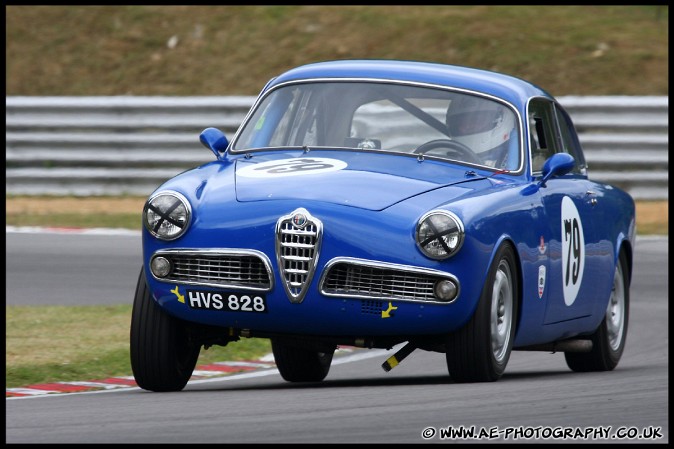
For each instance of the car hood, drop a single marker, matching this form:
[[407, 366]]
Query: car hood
[[363, 180]]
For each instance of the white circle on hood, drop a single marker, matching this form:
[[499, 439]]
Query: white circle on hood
[[296, 166]]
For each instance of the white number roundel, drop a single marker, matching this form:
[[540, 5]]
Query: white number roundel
[[573, 250], [291, 167]]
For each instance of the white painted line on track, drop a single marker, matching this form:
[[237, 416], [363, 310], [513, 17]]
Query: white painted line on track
[[357, 356], [74, 231]]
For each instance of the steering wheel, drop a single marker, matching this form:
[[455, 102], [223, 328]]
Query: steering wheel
[[462, 151]]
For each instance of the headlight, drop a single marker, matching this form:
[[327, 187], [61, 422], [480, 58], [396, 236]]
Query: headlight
[[167, 215], [439, 234]]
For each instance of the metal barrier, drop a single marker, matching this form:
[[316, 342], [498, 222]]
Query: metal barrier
[[129, 145]]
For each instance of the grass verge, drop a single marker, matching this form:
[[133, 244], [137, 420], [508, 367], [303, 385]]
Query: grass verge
[[235, 49], [71, 343]]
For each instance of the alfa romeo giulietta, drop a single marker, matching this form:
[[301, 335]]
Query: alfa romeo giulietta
[[382, 204]]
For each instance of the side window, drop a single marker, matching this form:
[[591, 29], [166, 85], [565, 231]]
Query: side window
[[542, 132], [570, 142]]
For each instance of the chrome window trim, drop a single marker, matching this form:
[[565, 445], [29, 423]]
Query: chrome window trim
[[265, 94]]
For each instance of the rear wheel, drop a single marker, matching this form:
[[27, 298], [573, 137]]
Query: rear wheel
[[608, 341], [479, 351], [162, 355], [300, 363]]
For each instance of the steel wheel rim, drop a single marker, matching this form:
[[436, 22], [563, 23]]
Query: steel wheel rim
[[615, 311], [501, 312]]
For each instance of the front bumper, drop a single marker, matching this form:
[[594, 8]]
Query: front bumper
[[346, 297]]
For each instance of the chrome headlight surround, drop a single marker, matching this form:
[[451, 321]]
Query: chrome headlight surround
[[439, 234], [167, 215]]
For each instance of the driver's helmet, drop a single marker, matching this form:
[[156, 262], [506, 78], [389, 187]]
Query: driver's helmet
[[478, 123]]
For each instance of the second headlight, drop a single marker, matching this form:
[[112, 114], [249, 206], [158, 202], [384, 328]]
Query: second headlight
[[167, 215], [439, 234]]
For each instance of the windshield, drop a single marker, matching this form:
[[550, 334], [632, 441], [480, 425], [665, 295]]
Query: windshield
[[385, 117]]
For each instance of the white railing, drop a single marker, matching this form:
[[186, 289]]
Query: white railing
[[129, 145]]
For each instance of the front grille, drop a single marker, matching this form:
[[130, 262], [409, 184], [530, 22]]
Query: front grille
[[356, 278], [298, 237], [224, 268]]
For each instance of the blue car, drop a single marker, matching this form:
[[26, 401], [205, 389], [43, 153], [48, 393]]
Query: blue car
[[375, 203]]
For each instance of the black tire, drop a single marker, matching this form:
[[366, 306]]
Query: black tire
[[162, 355], [300, 364], [608, 341], [479, 351]]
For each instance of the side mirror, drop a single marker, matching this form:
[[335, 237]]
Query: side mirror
[[558, 164], [214, 140]]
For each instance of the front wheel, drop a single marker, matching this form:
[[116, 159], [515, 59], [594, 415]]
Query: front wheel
[[299, 363], [162, 355], [479, 351], [608, 341]]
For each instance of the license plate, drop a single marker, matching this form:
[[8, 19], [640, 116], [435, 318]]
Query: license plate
[[229, 302]]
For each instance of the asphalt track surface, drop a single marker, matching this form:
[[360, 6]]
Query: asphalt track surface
[[538, 399]]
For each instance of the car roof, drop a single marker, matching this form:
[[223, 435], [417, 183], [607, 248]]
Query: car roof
[[512, 89]]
